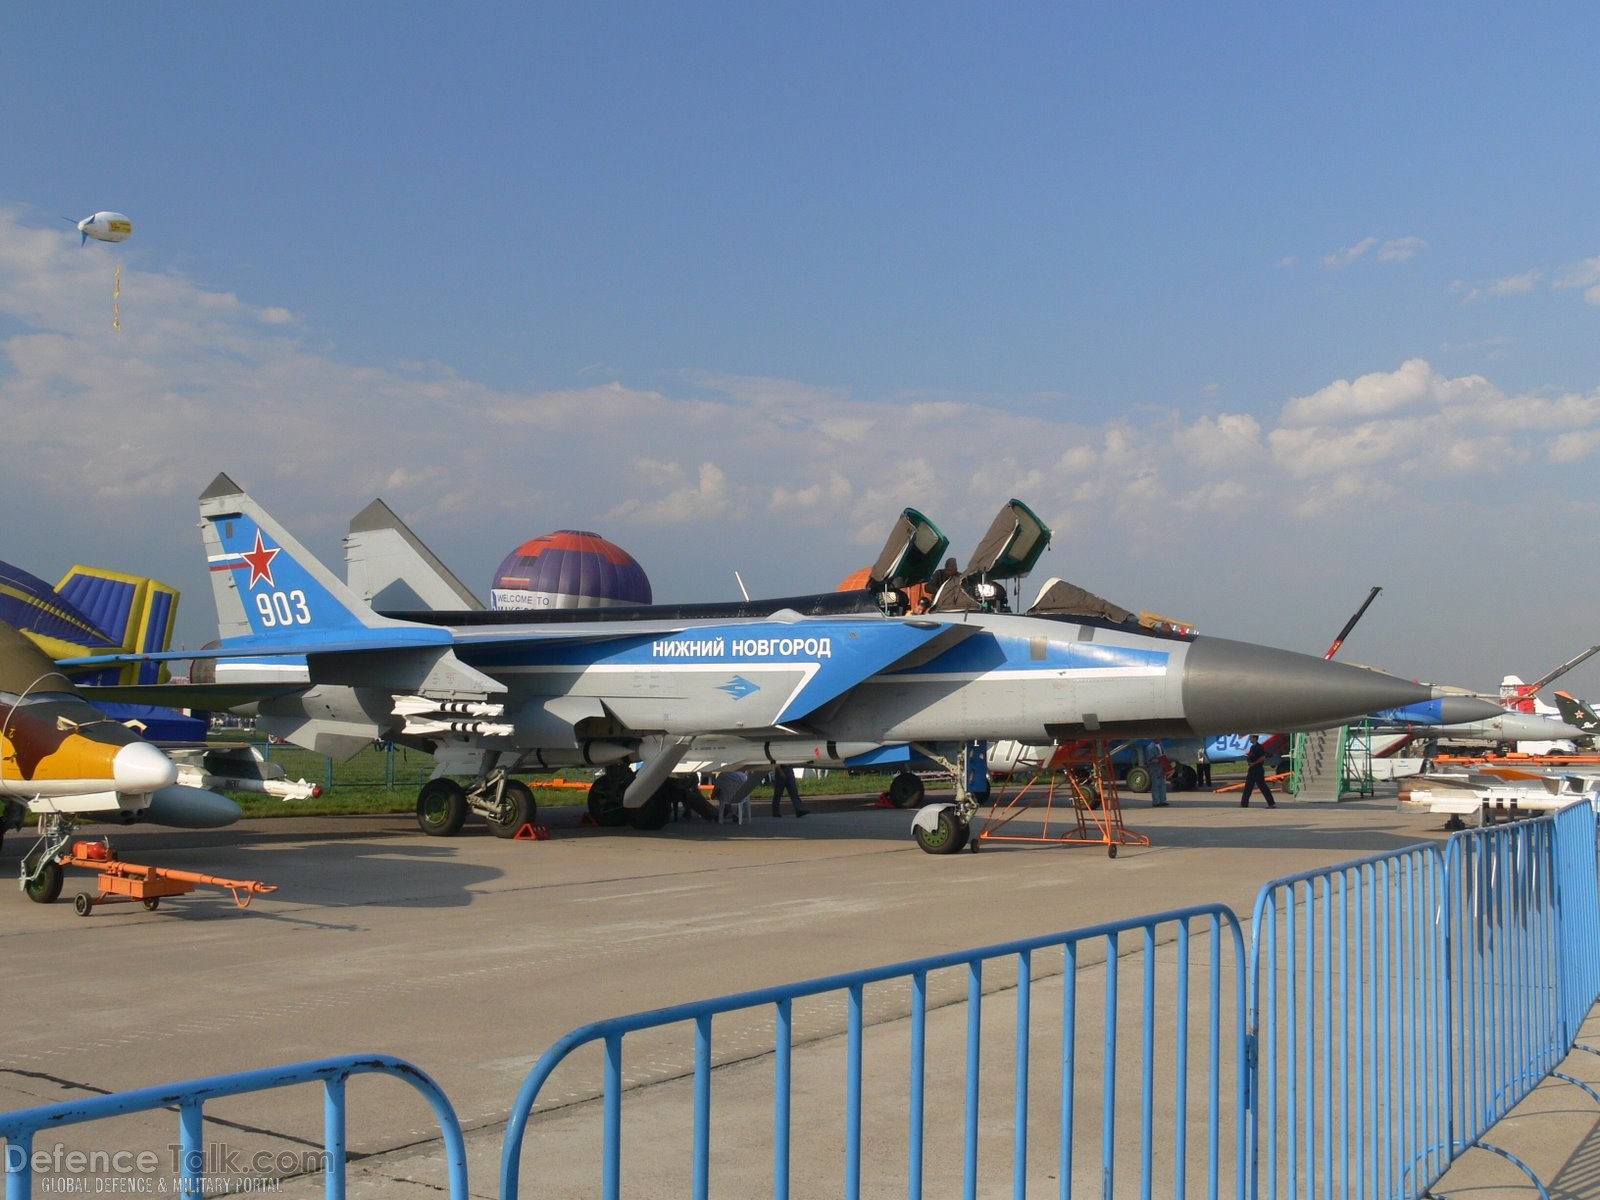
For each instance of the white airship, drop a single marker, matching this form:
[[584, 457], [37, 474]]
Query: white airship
[[105, 227]]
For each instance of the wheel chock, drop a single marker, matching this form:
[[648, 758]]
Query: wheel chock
[[883, 801], [588, 820], [531, 833]]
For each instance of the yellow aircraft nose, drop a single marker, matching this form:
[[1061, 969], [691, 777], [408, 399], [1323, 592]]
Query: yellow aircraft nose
[[140, 767]]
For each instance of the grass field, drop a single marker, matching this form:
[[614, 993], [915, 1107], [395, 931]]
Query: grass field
[[383, 781]]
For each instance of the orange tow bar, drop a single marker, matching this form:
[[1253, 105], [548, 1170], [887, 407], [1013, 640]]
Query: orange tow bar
[[125, 882]]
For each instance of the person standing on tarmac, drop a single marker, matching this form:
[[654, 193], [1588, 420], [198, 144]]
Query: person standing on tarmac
[[978, 772], [783, 781], [1255, 773]]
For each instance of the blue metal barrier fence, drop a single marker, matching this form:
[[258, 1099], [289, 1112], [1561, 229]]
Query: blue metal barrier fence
[[1192, 945], [1348, 1028], [20, 1126]]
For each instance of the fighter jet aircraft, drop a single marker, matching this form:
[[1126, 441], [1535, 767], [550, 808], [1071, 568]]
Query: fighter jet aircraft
[[493, 693], [65, 761], [1500, 726]]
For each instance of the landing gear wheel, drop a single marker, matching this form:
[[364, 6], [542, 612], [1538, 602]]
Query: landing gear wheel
[[83, 904], [45, 887], [1184, 778], [1138, 779], [605, 798], [654, 813], [442, 807], [517, 808], [905, 790], [946, 838]]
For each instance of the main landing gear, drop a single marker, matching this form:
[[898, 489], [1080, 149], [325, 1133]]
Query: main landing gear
[[505, 804]]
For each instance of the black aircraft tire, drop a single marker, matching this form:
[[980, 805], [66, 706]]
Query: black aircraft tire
[[949, 836], [45, 887], [518, 808], [1138, 779], [605, 800], [905, 790], [1184, 778], [655, 812], [442, 808]]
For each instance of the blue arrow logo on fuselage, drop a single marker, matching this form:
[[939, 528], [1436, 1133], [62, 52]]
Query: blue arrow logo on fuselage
[[739, 687]]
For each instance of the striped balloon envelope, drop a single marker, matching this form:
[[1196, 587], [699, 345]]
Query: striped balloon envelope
[[569, 568]]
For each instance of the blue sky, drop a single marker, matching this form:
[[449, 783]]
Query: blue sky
[[1256, 306]]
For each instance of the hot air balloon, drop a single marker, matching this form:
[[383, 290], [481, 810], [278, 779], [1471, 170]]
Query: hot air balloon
[[105, 227], [569, 568]]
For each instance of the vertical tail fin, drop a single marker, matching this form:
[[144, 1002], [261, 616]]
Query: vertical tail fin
[[1576, 713], [266, 584], [388, 565]]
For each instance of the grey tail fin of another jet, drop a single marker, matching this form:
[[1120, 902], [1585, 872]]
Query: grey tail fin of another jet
[[391, 568]]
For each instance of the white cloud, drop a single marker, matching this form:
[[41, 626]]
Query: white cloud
[[1343, 258], [1586, 275], [1401, 249], [1575, 446], [1378, 393], [1511, 285]]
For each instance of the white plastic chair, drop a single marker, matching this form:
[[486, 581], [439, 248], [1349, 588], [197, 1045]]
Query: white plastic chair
[[732, 792]]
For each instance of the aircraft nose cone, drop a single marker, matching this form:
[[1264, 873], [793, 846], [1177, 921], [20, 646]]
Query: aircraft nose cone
[[1460, 710], [140, 767], [1237, 687]]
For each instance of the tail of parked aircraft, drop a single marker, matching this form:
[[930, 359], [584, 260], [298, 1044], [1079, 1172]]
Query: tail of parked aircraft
[[92, 611], [268, 586], [1577, 714], [389, 566], [136, 613]]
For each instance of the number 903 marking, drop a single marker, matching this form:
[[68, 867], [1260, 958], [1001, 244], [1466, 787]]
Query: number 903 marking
[[282, 608]]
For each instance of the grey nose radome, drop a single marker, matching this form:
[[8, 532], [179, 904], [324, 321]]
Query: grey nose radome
[[1237, 687]]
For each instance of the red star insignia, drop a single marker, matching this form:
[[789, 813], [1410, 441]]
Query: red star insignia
[[260, 560]]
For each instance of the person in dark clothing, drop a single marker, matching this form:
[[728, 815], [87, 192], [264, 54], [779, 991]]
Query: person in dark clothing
[[1255, 774], [783, 781], [978, 772]]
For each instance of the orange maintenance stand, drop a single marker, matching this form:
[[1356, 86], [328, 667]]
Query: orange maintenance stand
[[1090, 781]]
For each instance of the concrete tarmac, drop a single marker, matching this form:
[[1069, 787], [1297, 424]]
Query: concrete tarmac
[[469, 956]]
